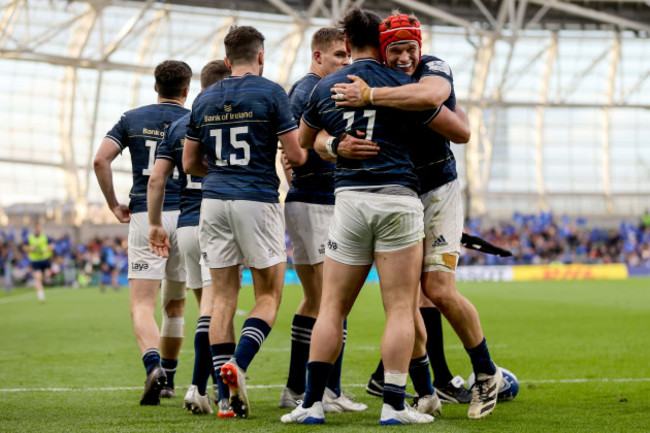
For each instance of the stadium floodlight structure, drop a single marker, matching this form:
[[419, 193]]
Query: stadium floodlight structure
[[553, 88]]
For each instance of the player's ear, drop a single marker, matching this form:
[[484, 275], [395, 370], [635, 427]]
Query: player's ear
[[260, 57], [317, 56], [347, 46], [227, 62], [186, 91], [155, 87]]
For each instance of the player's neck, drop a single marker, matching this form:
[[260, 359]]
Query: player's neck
[[241, 70], [365, 52], [314, 69], [180, 102]]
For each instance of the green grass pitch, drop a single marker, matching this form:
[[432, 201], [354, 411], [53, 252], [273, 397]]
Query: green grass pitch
[[581, 351]]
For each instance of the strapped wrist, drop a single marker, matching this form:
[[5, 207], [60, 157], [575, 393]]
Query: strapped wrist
[[328, 146], [367, 95]]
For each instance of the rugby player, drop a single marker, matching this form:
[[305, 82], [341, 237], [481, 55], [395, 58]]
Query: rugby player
[[169, 157], [140, 130], [308, 210], [376, 218], [401, 41], [236, 123], [39, 249]]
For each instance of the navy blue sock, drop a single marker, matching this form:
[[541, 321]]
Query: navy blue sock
[[221, 353], [202, 356], [480, 357], [253, 334], [169, 365], [421, 376], [151, 359], [334, 381], [394, 395], [378, 375], [301, 328], [317, 374], [435, 346]]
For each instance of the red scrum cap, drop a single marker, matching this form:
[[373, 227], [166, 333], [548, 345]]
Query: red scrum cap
[[399, 28]]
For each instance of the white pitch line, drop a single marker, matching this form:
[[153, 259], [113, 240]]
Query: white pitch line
[[352, 385], [19, 298]]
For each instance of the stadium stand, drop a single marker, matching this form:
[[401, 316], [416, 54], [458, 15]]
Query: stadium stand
[[533, 239]]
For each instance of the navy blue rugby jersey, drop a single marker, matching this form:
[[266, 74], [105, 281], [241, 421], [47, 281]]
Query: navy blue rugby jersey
[[430, 152], [314, 181], [141, 129], [171, 148], [238, 121], [386, 126]]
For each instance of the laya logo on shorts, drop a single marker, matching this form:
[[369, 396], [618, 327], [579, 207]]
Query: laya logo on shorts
[[321, 250], [139, 266], [205, 256], [332, 245]]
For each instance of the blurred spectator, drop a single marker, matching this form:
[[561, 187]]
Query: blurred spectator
[[532, 239]]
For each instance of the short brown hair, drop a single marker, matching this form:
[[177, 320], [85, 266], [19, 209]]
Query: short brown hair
[[172, 77], [326, 36], [214, 71], [361, 27], [243, 43]]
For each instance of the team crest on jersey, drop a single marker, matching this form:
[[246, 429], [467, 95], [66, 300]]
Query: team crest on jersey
[[439, 66], [227, 108]]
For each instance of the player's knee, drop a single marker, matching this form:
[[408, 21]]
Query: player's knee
[[175, 308], [440, 288], [173, 296]]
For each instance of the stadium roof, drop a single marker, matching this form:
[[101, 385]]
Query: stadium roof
[[603, 14]]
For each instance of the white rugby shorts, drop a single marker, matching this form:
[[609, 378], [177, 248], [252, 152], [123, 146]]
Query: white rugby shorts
[[443, 227], [145, 265], [308, 227], [237, 232], [198, 275], [364, 223]]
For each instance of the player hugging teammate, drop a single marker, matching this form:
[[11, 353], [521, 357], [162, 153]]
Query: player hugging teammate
[[391, 106]]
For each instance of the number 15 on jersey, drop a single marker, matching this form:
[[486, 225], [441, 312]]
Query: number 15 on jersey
[[237, 142]]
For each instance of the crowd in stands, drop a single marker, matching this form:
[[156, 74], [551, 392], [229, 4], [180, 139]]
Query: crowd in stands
[[532, 239], [99, 262], [542, 239]]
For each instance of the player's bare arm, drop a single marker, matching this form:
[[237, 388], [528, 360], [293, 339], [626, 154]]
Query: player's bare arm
[[428, 93], [158, 236], [295, 155], [306, 136], [286, 166], [348, 146], [452, 125], [106, 154], [194, 161]]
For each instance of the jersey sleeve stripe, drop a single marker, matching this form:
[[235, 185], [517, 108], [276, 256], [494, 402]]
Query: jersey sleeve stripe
[[284, 131], [116, 141], [309, 124], [433, 116]]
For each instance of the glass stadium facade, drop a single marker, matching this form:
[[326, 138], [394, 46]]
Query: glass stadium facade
[[560, 114]]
